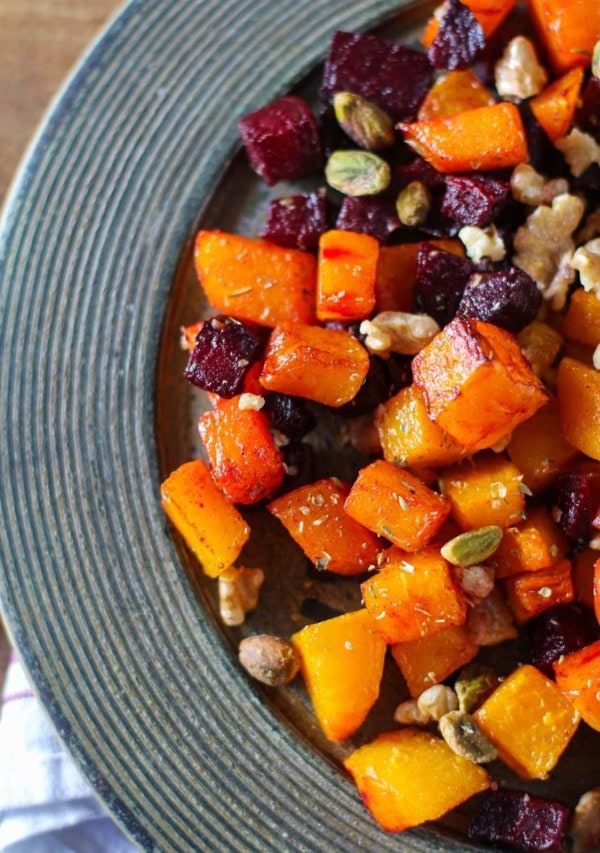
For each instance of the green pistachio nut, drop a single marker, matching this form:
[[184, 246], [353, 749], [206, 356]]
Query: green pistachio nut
[[364, 122], [472, 547], [413, 204], [465, 738], [473, 685], [357, 173]]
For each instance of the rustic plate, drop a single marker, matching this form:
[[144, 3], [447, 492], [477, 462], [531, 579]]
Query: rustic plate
[[112, 621]]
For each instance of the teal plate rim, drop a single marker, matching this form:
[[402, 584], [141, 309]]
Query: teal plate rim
[[135, 680]]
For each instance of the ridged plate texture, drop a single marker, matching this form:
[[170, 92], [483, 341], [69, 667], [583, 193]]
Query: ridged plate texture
[[135, 678]]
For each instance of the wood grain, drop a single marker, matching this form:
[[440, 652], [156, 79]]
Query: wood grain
[[40, 40]]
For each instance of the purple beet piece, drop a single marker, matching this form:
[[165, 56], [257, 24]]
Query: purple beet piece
[[297, 221], [393, 76], [559, 631], [418, 170], [373, 391], [368, 215], [300, 466], [437, 223], [471, 200], [282, 140], [522, 822], [543, 156], [459, 39], [587, 117], [573, 507], [440, 281], [224, 350], [289, 415], [508, 298]]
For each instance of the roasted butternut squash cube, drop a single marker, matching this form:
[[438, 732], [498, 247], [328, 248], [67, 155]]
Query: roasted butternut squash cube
[[245, 462], [341, 661], [534, 544], [539, 448], [455, 92], [530, 722], [431, 659], [397, 274], [578, 676], [409, 776], [413, 595], [555, 106], [255, 280], [208, 522], [324, 365], [346, 275], [533, 592], [579, 402], [410, 437], [394, 503], [485, 491], [314, 517], [568, 31], [476, 383], [540, 344], [582, 320]]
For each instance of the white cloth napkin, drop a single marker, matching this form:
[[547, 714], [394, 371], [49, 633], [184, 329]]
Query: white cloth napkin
[[46, 806]]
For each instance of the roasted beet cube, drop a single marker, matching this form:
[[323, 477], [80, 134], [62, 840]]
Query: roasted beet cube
[[459, 39], [559, 631], [587, 117], [393, 76], [507, 298], [573, 507], [441, 279], [224, 350], [299, 464], [373, 391], [368, 215], [519, 821], [297, 221], [473, 200], [418, 170], [282, 140], [289, 415]]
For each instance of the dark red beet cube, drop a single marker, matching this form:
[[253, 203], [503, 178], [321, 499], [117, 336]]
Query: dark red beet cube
[[522, 822], [508, 298], [368, 215], [418, 170], [459, 39], [282, 140], [393, 76], [573, 507], [587, 117], [440, 281], [289, 415], [559, 631], [473, 200], [297, 221], [222, 354]]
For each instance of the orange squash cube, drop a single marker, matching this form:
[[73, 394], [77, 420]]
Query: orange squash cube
[[314, 517], [245, 462], [397, 273], [476, 383], [324, 365], [582, 320], [533, 592], [255, 280], [578, 390], [540, 344], [346, 275], [408, 436], [455, 92], [539, 448], [341, 661], [413, 595], [485, 491], [568, 30], [431, 659], [578, 676], [555, 106], [208, 522], [537, 543], [394, 503], [481, 139], [529, 721], [409, 776]]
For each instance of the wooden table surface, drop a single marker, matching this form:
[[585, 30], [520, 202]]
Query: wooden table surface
[[40, 41]]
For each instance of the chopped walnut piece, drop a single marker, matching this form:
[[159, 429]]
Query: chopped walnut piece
[[238, 593], [398, 331], [249, 401], [491, 621], [409, 714], [529, 187], [580, 151], [476, 582], [585, 826], [544, 246], [436, 701], [482, 243], [518, 74], [586, 261]]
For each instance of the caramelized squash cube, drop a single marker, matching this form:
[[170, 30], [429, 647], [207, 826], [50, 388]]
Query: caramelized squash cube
[[579, 402], [533, 592], [485, 491], [568, 31], [582, 320], [346, 275], [578, 676], [455, 92], [530, 722], [555, 106], [537, 543], [433, 658], [397, 274]]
